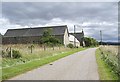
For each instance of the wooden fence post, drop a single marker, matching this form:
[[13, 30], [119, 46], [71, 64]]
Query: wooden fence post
[[31, 48], [59, 47], [44, 48], [11, 53], [53, 47]]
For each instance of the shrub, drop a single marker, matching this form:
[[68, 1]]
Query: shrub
[[3, 54], [70, 45], [15, 54], [76, 47]]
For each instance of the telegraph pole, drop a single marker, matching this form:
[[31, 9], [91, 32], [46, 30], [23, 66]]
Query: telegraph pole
[[31, 41], [74, 37], [101, 37]]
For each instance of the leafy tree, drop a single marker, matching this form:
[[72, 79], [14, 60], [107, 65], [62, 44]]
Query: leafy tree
[[45, 37], [48, 39], [90, 42]]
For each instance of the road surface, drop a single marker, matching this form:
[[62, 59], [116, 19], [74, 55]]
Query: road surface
[[79, 66]]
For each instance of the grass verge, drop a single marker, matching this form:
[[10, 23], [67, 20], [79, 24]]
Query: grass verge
[[105, 71], [22, 68]]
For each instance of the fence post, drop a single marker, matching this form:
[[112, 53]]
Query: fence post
[[53, 47], [11, 53], [59, 47], [31, 48], [44, 48]]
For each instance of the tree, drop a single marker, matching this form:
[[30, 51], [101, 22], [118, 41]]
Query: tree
[[48, 39], [90, 42]]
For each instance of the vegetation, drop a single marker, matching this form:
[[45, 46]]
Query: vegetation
[[90, 42], [14, 70], [107, 64], [15, 54], [11, 54], [31, 48], [70, 45], [26, 55], [48, 39]]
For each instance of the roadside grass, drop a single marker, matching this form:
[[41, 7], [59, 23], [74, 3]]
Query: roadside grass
[[22, 68], [104, 70], [27, 56]]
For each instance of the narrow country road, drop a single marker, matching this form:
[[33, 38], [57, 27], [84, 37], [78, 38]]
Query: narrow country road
[[79, 66]]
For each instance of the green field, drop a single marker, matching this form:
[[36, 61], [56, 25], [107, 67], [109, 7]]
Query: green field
[[13, 67], [106, 70]]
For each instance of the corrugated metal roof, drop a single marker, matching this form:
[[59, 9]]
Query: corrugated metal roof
[[35, 31]]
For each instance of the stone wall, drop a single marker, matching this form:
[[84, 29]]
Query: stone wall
[[26, 40]]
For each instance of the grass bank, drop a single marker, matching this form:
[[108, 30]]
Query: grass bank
[[22, 68], [105, 71]]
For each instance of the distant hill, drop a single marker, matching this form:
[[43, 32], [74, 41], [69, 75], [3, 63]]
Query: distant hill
[[110, 43]]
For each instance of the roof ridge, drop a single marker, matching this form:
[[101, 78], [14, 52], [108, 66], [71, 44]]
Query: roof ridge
[[38, 27], [37, 31]]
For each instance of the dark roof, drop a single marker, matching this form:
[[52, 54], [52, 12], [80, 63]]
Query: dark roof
[[79, 35], [36, 31]]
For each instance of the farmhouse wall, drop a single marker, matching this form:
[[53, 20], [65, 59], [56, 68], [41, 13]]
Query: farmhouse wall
[[66, 38]]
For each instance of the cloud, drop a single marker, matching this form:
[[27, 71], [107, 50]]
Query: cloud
[[5, 24], [90, 16], [19, 12]]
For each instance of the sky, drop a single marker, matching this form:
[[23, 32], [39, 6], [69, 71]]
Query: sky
[[89, 16]]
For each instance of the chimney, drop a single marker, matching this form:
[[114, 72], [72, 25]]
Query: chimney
[[82, 31]]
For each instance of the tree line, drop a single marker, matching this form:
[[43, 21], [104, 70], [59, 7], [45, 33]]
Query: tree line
[[90, 42]]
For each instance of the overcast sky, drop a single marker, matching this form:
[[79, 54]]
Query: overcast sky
[[89, 16]]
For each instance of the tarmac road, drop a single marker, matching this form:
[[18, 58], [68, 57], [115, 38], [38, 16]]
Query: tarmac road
[[79, 66]]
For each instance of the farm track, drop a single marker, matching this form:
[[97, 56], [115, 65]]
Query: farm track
[[79, 66]]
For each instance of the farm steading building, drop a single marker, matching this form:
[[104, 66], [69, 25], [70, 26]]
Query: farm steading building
[[28, 35]]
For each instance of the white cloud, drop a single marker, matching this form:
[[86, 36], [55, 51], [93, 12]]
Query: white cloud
[[5, 24], [102, 23], [58, 21]]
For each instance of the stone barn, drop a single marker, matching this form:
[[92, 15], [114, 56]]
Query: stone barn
[[33, 35]]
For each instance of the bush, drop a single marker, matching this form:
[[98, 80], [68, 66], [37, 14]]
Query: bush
[[3, 54], [76, 47], [15, 54], [90, 42], [70, 45]]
